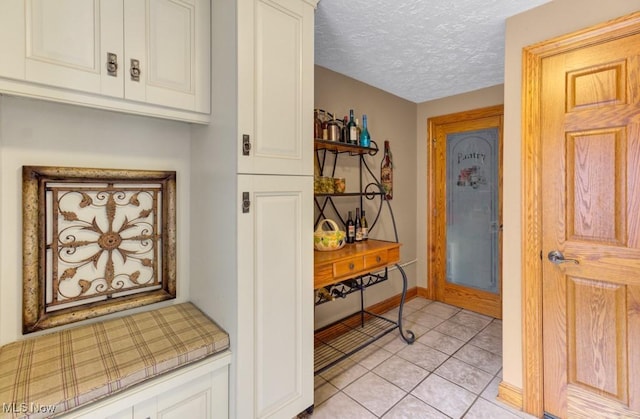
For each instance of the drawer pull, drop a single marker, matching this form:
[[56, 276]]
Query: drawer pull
[[351, 266], [378, 259]]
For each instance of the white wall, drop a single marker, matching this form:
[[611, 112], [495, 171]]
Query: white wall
[[544, 22], [34, 132]]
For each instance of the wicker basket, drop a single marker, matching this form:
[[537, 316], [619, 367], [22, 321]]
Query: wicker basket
[[327, 240]]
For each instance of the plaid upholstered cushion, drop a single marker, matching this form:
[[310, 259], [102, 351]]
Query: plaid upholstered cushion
[[72, 367]]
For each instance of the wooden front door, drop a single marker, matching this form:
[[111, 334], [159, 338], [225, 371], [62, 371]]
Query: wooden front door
[[590, 186], [465, 182]]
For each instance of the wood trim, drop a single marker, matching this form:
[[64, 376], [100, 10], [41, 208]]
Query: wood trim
[[532, 356], [423, 292], [510, 395]]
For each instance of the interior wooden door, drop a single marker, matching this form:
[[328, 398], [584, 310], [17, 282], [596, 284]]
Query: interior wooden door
[[590, 133], [466, 210]]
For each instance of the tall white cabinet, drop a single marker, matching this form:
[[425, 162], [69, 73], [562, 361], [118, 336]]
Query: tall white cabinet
[[252, 202]]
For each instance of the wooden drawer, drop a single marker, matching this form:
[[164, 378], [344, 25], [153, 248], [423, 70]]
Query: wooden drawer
[[348, 267], [353, 260], [376, 259]]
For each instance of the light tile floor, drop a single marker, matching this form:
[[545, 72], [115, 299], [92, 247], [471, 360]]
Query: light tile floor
[[452, 370]]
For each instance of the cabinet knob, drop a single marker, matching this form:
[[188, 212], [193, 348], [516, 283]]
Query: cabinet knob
[[135, 70], [112, 64], [351, 266], [378, 259]]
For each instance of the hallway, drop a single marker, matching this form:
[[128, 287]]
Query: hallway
[[451, 371]]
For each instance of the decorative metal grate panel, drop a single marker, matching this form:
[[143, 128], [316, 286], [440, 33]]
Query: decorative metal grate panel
[[104, 241], [96, 241]]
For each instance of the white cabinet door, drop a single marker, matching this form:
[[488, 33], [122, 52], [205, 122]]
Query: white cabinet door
[[62, 50], [67, 42], [189, 401], [275, 292], [275, 86], [169, 40]]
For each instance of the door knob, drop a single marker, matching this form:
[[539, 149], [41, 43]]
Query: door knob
[[556, 256]]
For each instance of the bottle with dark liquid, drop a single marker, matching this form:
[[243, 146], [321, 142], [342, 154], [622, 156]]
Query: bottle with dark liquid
[[386, 172], [345, 130], [351, 229], [353, 133]]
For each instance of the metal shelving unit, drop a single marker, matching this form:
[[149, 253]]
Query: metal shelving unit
[[345, 337]]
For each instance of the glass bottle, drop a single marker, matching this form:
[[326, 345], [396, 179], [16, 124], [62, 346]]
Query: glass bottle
[[364, 226], [345, 130], [365, 138], [358, 131], [353, 133], [358, 226], [351, 229], [386, 171]]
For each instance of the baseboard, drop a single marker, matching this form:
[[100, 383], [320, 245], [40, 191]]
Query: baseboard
[[424, 293], [510, 395], [392, 302]]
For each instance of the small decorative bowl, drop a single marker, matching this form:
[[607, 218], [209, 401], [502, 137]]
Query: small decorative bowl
[[327, 240]]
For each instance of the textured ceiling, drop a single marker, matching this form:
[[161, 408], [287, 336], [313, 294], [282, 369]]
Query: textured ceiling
[[419, 50]]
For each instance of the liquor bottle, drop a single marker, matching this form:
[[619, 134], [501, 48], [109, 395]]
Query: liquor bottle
[[358, 226], [345, 130], [365, 138], [317, 125], [325, 127], [364, 226], [353, 133], [351, 229], [358, 131], [386, 172]]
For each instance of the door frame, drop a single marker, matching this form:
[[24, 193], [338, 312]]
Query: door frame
[[532, 345], [433, 189]]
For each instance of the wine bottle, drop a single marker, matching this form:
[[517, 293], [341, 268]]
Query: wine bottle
[[325, 127], [364, 226], [353, 133], [365, 138], [351, 229], [386, 172], [358, 131], [358, 226], [325, 294], [345, 130]]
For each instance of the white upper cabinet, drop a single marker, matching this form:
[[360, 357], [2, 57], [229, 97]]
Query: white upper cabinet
[[64, 44], [275, 86], [150, 57]]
